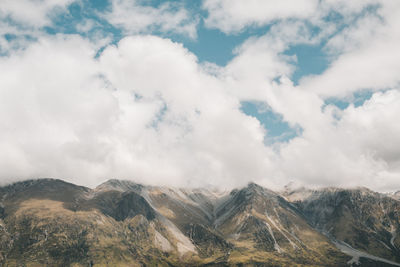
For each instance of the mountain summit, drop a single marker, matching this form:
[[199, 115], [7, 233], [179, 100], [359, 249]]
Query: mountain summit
[[48, 222]]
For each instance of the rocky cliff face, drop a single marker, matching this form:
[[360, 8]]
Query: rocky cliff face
[[356, 219], [120, 223]]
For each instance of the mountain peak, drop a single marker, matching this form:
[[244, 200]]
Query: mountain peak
[[48, 188], [32, 182], [253, 188], [119, 185]]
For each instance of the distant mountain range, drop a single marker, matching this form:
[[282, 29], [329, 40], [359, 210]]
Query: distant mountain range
[[49, 222]]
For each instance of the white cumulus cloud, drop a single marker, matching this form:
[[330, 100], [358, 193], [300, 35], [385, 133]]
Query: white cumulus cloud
[[146, 109]]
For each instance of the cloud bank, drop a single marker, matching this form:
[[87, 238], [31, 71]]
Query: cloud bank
[[148, 109]]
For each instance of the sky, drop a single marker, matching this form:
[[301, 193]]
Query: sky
[[201, 93]]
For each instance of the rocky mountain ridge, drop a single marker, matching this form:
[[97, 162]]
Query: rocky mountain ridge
[[49, 222]]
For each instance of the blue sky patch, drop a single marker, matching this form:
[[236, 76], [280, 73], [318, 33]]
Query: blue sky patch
[[311, 60], [277, 129], [357, 99]]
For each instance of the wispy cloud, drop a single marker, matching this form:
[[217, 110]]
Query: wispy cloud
[[133, 17]]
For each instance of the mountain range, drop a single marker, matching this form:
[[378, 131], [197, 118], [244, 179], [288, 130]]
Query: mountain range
[[49, 222]]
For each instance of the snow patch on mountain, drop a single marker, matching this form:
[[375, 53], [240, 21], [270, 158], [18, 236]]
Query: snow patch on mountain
[[161, 242], [276, 245], [356, 254]]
